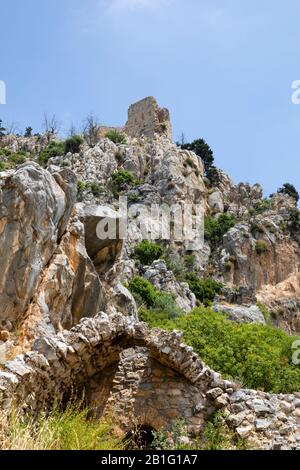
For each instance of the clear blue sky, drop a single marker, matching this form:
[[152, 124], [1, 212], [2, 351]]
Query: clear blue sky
[[224, 68]]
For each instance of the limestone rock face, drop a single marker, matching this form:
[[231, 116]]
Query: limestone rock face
[[164, 280], [34, 212], [102, 242], [240, 314], [70, 288]]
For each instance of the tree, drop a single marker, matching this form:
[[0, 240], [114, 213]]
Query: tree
[[91, 130], [2, 130], [50, 124], [289, 190], [28, 132], [203, 150]]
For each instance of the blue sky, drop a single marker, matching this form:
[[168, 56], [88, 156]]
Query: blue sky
[[224, 68]]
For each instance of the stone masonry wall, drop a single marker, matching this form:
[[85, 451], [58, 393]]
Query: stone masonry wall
[[146, 118]]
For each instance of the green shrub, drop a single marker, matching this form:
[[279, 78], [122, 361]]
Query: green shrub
[[94, 187], [205, 290], [9, 159], [215, 229], [261, 247], [81, 186], [263, 206], [71, 429], [153, 301], [189, 162], [116, 137], [173, 439], [146, 252], [17, 158], [293, 223], [54, 149], [258, 356], [73, 144], [123, 180], [218, 435], [203, 150], [289, 190], [265, 311], [133, 198], [144, 290], [190, 262]]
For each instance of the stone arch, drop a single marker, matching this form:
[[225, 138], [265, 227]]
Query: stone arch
[[73, 359]]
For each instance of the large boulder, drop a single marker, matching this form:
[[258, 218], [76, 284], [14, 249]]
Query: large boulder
[[241, 314], [105, 247], [34, 211], [70, 288]]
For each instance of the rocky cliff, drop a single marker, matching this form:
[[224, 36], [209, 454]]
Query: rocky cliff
[[57, 276]]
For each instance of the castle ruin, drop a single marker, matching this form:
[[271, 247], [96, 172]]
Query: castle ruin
[[145, 118]]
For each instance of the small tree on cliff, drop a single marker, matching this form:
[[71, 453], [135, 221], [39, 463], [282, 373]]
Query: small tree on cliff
[[203, 150], [28, 132], [2, 130], [289, 190]]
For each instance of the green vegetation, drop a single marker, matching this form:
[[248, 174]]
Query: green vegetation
[[9, 159], [215, 229], [258, 356], [263, 206], [59, 430], [261, 247], [122, 180], [133, 198], [189, 162], [143, 290], [218, 436], [2, 129], [153, 301], [54, 149], [28, 132], [116, 137], [146, 252], [265, 311], [72, 144], [203, 150], [174, 440], [95, 188], [294, 221], [205, 290], [289, 190]]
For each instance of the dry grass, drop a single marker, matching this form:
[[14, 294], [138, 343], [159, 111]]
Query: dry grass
[[70, 429]]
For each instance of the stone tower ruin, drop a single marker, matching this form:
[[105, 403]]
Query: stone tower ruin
[[146, 118]]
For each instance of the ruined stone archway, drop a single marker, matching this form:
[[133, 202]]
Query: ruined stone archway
[[79, 358], [165, 371]]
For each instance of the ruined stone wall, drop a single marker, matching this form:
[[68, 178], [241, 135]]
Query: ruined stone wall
[[166, 375], [103, 130], [146, 118]]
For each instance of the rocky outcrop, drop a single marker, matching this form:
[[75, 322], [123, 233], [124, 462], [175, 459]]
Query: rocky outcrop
[[241, 314], [102, 235], [34, 212], [164, 280], [69, 290]]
